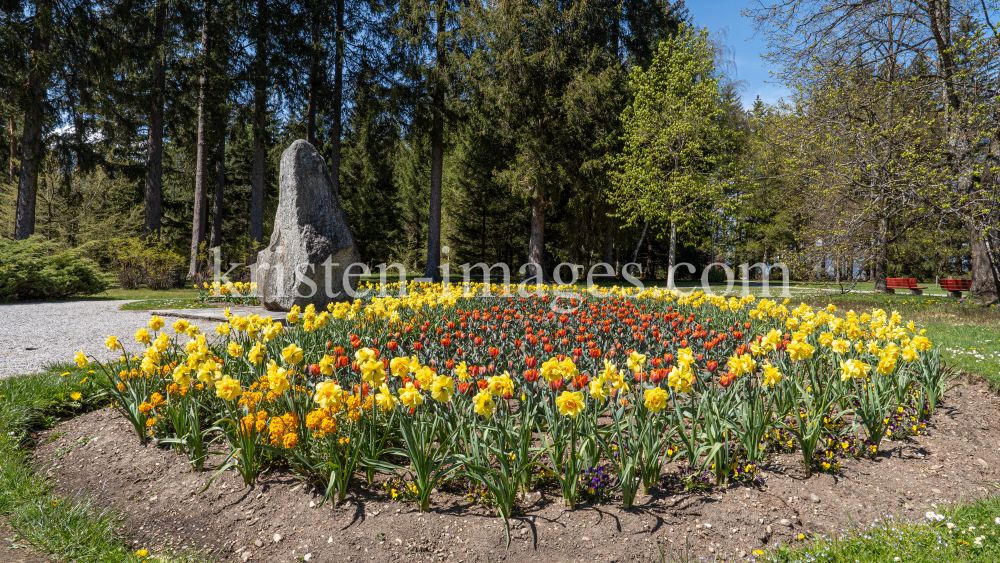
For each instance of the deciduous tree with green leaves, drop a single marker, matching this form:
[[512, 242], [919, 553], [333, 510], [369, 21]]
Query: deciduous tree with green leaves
[[664, 172]]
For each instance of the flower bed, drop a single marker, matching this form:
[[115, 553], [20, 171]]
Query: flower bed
[[507, 394]]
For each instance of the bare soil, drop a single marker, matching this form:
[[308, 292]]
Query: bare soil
[[280, 521], [16, 550]]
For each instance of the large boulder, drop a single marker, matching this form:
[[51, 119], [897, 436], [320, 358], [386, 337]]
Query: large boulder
[[311, 245]]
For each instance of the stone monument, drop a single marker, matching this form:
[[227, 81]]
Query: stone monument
[[311, 246]]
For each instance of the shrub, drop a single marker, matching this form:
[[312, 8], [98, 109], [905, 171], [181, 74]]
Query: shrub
[[39, 269], [150, 262]]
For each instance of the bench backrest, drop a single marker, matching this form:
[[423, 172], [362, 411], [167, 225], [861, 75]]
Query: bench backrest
[[956, 284]]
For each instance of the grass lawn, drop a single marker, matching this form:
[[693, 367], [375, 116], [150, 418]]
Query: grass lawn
[[143, 293], [69, 528], [963, 533]]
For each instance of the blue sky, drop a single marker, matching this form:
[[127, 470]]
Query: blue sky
[[719, 15]]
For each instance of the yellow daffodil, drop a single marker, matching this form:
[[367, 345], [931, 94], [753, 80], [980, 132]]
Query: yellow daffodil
[[552, 370], [326, 364], [142, 336], [278, 381], [410, 396], [292, 354], [462, 371], [401, 366], [228, 388], [256, 354], [742, 364], [501, 385], [329, 394], [484, 404], [680, 379], [799, 351], [182, 375], [570, 403], [635, 362], [364, 355], [656, 399], [81, 359], [373, 372], [385, 400], [853, 369], [771, 376], [442, 388], [597, 389]]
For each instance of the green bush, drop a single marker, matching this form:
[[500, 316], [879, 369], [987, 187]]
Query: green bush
[[151, 262], [40, 269]]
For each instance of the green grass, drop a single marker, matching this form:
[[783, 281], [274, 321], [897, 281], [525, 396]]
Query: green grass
[[911, 541], [69, 528], [143, 293], [151, 304]]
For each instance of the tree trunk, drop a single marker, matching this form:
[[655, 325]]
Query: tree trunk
[[13, 150], [536, 244], [32, 148], [642, 237], [199, 219], [259, 129], [981, 270], [220, 187], [672, 257], [338, 99], [154, 144], [437, 156], [881, 255], [608, 252], [313, 74], [434, 218]]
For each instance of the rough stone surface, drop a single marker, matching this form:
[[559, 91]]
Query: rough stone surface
[[312, 245]]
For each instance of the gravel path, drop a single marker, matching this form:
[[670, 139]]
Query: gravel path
[[33, 335]]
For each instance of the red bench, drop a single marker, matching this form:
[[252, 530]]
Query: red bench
[[893, 284], [955, 287]]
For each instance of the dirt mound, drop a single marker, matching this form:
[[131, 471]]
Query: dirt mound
[[278, 521]]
